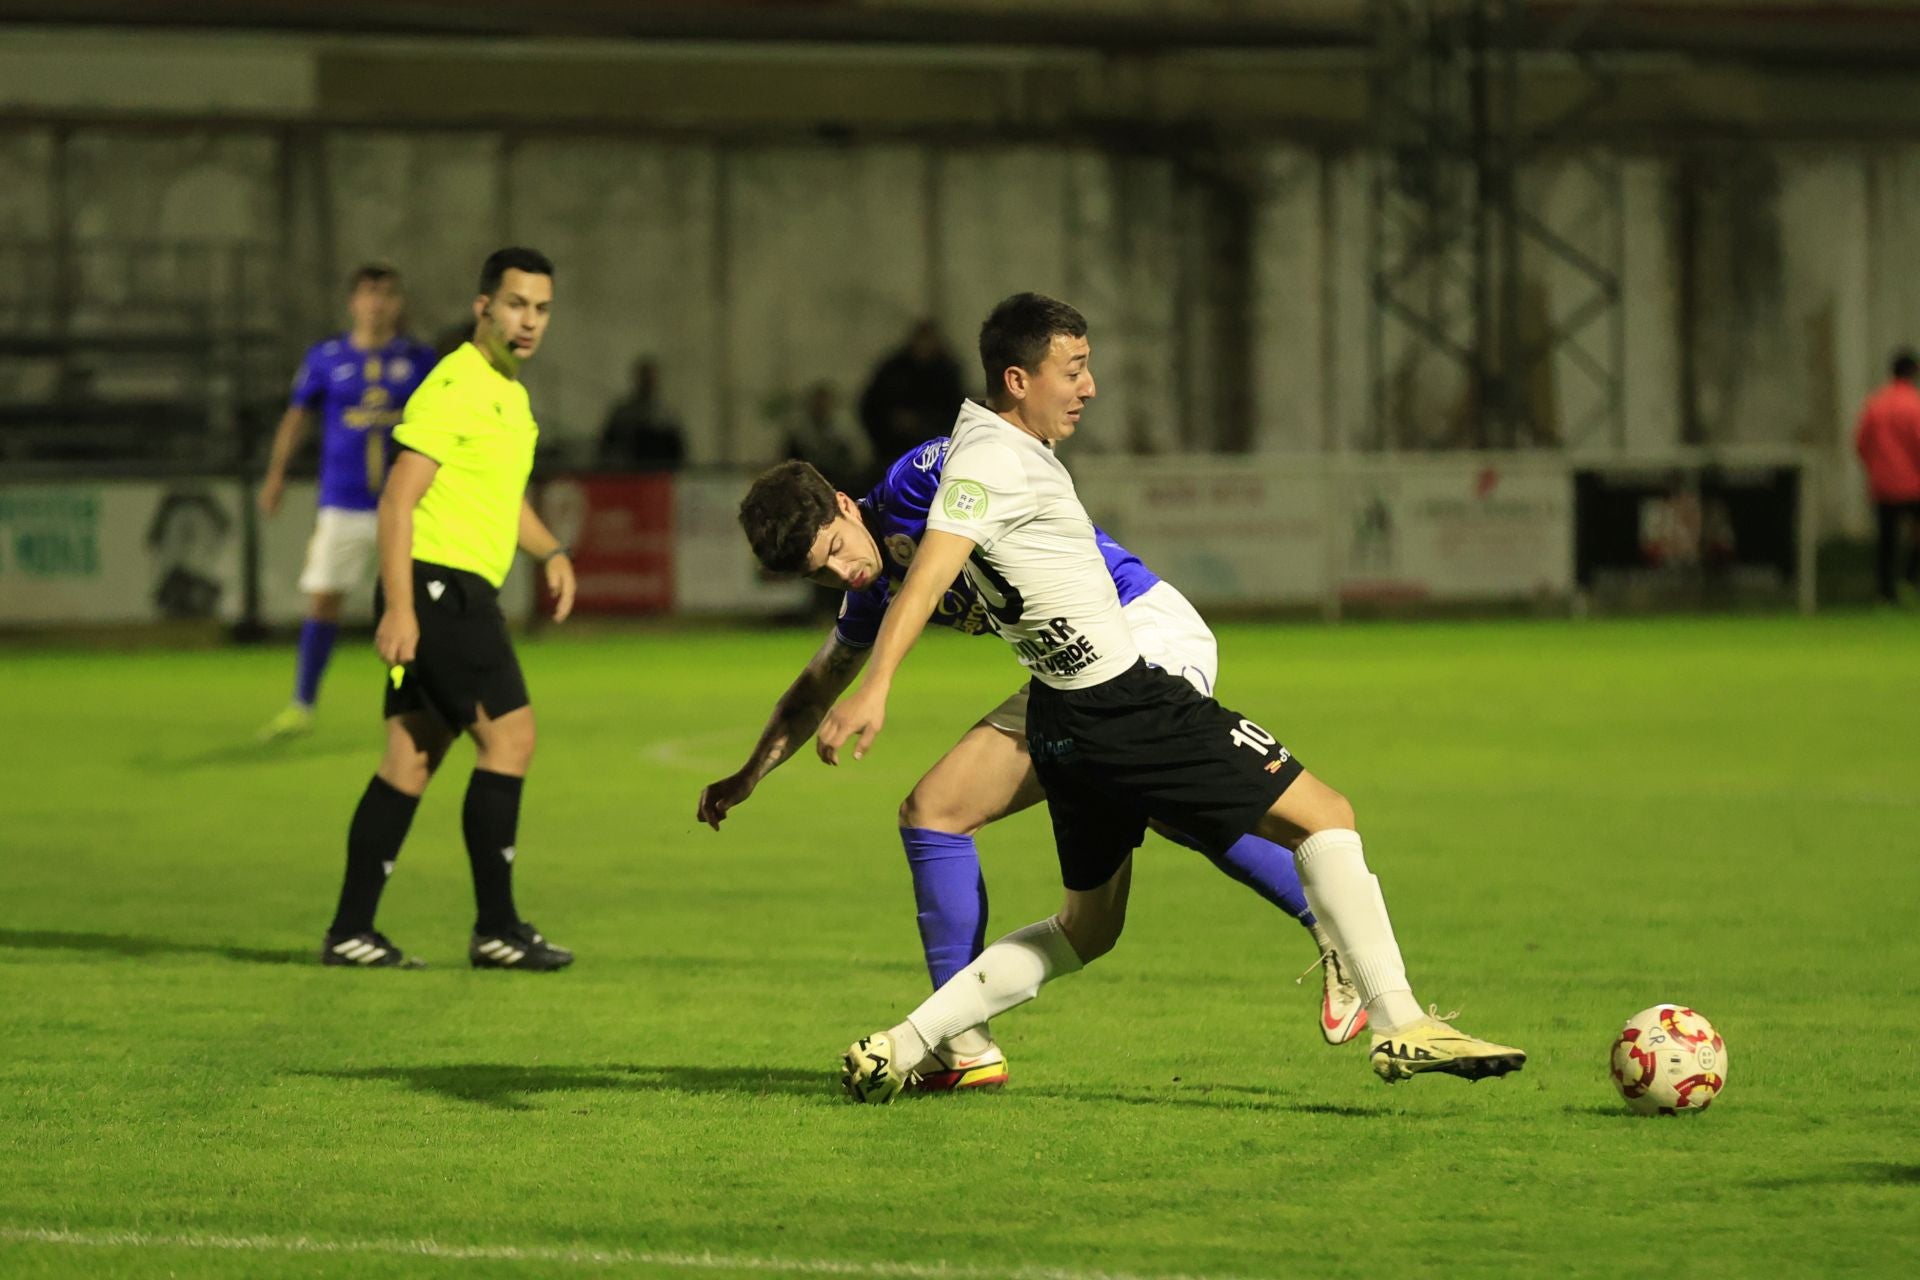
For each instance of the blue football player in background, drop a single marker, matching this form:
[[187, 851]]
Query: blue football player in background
[[799, 524], [356, 383]]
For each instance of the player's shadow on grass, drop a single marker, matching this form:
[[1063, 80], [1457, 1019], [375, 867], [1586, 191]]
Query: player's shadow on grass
[[1606, 1111], [234, 754], [1858, 1173], [508, 1086], [1209, 1097], [121, 944]]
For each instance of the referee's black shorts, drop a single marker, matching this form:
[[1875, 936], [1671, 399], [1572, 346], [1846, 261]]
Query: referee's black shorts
[[1147, 744], [465, 660]]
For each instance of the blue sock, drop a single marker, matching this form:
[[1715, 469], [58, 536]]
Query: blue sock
[[1264, 867], [952, 897], [1267, 869], [316, 646]]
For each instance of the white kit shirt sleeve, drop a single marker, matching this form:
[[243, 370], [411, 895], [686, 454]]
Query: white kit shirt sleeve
[[984, 492]]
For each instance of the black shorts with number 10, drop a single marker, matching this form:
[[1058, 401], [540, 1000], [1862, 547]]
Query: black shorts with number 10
[[1147, 744], [465, 660]]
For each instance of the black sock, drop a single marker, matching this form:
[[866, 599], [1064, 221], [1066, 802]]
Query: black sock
[[373, 843], [489, 820]]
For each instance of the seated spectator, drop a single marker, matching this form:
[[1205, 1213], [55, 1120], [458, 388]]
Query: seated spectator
[[817, 434], [913, 395], [639, 433]]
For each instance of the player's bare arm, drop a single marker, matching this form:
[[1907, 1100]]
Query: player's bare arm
[[398, 635], [938, 561], [795, 716], [538, 541], [294, 424]]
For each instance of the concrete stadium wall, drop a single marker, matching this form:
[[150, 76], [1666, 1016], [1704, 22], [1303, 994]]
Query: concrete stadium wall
[[1766, 275], [752, 271]]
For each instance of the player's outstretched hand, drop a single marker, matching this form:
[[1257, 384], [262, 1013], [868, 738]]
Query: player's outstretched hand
[[717, 798], [271, 491], [398, 637], [560, 582], [859, 716]]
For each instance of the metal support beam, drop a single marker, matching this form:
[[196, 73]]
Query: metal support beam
[[1476, 290]]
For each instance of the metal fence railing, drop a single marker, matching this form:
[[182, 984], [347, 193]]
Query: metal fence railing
[[138, 350]]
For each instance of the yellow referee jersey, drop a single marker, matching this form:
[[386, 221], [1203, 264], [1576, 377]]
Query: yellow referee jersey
[[477, 424]]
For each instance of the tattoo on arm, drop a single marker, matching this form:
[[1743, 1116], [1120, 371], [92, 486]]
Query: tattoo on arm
[[841, 659], [806, 703]]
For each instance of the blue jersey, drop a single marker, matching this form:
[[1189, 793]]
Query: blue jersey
[[359, 396], [896, 515]]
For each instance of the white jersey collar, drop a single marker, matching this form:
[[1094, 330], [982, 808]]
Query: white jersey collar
[[972, 411]]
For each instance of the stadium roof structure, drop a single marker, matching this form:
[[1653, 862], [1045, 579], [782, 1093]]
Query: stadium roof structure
[[1784, 32]]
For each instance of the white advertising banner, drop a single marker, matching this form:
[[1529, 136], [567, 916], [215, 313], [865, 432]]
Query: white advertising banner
[[1488, 528], [117, 552], [283, 554], [713, 568], [1255, 531], [1276, 531], [1227, 531]]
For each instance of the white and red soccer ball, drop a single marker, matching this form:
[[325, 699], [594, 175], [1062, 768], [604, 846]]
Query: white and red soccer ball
[[1669, 1061]]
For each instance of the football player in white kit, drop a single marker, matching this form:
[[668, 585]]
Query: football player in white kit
[[1115, 742], [797, 523]]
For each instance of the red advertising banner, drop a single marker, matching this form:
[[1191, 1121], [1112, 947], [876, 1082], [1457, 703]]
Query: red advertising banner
[[621, 532]]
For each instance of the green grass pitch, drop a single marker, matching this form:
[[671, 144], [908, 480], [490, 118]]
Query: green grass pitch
[[1571, 821]]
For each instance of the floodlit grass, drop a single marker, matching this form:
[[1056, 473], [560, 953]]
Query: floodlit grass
[[1572, 821]]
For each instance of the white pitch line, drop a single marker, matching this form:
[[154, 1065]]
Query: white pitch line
[[574, 1257], [695, 751]]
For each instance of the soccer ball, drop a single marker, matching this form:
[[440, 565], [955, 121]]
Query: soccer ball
[[1668, 1060]]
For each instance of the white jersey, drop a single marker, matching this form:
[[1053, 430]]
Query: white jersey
[[1038, 570]]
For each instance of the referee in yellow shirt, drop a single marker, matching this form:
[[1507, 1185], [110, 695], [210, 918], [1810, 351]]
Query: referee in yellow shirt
[[453, 511]]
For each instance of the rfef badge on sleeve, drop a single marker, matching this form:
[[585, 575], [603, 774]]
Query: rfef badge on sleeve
[[964, 500]]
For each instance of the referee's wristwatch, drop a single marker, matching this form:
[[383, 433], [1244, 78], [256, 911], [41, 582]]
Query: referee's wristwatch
[[562, 550]]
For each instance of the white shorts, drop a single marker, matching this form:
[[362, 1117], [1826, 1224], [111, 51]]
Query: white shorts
[[340, 550], [1170, 634]]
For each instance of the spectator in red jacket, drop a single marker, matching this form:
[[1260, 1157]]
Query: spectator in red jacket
[[1888, 439]]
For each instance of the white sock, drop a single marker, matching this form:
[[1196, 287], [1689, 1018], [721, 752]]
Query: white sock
[[1346, 899], [1007, 974], [971, 1043]]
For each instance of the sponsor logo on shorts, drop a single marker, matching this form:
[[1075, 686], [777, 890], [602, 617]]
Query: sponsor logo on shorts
[[964, 500], [1053, 748]]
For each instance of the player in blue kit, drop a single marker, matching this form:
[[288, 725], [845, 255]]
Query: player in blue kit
[[356, 383], [797, 523]]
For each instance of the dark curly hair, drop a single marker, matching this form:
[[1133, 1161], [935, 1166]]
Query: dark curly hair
[[784, 511]]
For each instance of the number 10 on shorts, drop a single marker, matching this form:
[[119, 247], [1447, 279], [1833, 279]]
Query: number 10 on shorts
[[1253, 737]]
